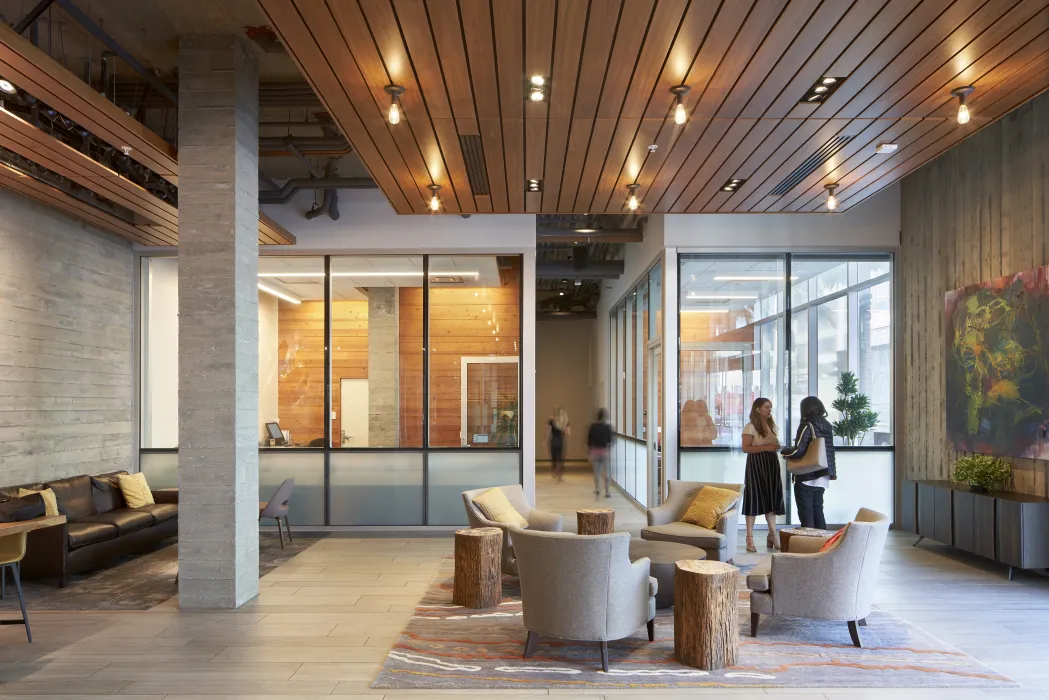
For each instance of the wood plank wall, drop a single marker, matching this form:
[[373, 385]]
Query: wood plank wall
[[977, 212], [65, 345]]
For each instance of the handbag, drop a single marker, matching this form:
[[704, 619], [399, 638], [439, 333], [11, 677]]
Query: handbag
[[814, 459]]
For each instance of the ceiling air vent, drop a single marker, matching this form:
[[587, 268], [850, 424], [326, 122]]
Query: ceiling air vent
[[810, 164], [473, 154]]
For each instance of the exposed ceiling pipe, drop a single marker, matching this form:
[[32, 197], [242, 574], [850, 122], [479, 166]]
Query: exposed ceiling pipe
[[330, 203], [310, 183], [306, 145], [565, 269]]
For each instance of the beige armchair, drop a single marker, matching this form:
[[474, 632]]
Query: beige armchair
[[837, 584], [664, 522], [583, 588], [537, 519]]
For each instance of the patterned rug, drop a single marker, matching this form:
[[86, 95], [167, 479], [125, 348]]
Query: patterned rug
[[449, 647], [135, 582]]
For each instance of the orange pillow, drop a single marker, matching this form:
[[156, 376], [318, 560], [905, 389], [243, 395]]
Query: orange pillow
[[833, 539]]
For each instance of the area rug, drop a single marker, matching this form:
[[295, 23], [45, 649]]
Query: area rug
[[449, 647], [135, 582]]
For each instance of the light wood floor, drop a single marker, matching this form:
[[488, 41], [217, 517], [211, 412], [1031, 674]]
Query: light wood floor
[[324, 621]]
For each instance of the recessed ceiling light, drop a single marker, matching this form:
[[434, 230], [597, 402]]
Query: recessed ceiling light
[[586, 230], [886, 148], [534, 186], [821, 89], [537, 88], [733, 184], [7, 86], [538, 80], [829, 81]]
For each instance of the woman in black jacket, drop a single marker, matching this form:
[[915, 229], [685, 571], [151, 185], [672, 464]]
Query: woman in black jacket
[[809, 488]]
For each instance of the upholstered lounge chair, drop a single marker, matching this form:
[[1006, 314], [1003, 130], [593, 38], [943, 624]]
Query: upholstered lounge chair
[[837, 584], [664, 522], [537, 519], [582, 588]]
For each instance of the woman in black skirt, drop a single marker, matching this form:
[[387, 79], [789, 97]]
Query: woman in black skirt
[[762, 485]]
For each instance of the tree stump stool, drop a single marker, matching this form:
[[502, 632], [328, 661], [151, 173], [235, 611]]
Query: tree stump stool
[[478, 572], [706, 621], [595, 521]]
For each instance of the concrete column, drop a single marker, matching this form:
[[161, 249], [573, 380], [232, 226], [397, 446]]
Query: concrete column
[[218, 323], [383, 375]]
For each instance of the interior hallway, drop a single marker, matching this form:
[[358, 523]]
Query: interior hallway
[[577, 491]]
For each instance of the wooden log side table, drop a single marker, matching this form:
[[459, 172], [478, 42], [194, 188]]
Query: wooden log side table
[[787, 533], [478, 571], [595, 521], [706, 619]]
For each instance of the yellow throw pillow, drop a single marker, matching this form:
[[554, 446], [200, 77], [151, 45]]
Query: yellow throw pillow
[[136, 490], [709, 505], [50, 502], [496, 507]]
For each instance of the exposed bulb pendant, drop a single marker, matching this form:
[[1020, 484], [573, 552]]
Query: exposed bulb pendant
[[963, 109], [679, 92], [435, 200], [832, 201], [395, 92], [631, 203]]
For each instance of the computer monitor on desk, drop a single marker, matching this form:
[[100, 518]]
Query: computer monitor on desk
[[273, 432]]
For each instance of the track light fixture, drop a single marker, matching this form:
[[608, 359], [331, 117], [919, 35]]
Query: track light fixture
[[395, 92], [7, 86], [435, 200], [832, 201], [962, 94], [679, 92], [631, 203], [537, 88]]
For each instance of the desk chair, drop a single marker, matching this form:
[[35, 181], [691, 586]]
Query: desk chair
[[12, 549], [277, 508]]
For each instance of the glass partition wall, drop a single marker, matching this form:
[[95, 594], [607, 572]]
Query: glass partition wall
[[387, 385], [783, 327]]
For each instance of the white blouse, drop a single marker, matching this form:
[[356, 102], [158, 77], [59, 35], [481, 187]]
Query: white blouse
[[770, 439]]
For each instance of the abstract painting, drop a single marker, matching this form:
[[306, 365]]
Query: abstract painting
[[997, 366]]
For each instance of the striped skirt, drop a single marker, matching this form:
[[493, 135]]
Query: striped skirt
[[763, 486]]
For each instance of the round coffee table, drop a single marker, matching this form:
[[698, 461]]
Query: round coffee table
[[786, 534], [663, 555]]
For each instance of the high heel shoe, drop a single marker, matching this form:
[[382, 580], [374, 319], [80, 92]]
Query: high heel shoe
[[750, 544], [771, 542]]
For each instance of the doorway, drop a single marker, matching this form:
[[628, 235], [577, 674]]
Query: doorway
[[489, 402], [354, 432]]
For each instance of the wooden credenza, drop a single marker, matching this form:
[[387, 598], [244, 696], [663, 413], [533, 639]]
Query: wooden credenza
[[1011, 528]]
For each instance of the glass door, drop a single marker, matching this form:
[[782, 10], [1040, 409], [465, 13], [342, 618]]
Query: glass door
[[654, 425]]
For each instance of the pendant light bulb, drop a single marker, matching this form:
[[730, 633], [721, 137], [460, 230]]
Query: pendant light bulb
[[435, 200], [631, 203], [962, 94], [832, 201], [395, 92], [679, 92]]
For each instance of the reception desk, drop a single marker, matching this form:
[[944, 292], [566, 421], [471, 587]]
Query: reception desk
[[1011, 528]]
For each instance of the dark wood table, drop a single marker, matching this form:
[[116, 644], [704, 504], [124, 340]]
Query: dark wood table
[[21, 527]]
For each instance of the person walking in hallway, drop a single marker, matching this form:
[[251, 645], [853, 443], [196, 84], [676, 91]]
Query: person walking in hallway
[[599, 448], [810, 488], [557, 434], [762, 484]]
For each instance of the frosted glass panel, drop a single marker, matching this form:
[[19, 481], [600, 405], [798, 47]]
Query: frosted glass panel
[[307, 468], [160, 468], [713, 465], [376, 488], [451, 473], [864, 481]]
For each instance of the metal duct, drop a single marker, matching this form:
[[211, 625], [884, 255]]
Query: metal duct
[[306, 145], [310, 183], [565, 269]]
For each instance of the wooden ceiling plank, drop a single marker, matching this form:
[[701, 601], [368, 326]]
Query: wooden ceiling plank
[[508, 23], [538, 60], [993, 68], [362, 47], [668, 22], [278, 233], [484, 203], [302, 48], [939, 70], [535, 154], [480, 47], [451, 56], [696, 146], [896, 55], [578, 141], [613, 198], [600, 140], [991, 105], [570, 33], [331, 42], [684, 63], [32, 69]]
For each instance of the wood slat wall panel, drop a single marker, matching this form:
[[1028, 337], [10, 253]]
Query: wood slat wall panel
[[611, 63], [974, 213]]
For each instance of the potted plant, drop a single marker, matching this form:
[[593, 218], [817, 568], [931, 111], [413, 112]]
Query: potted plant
[[981, 472], [506, 425], [855, 408]]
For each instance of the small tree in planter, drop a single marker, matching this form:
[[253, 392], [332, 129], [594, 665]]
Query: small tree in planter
[[857, 418]]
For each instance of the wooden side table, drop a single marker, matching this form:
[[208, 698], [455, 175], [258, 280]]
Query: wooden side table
[[595, 521], [478, 574], [706, 619], [787, 533]]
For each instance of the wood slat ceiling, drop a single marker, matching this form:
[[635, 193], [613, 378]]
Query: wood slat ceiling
[[610, 66], [34, 71]]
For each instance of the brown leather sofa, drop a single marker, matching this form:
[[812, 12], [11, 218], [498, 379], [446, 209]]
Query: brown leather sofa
[[99, 526]]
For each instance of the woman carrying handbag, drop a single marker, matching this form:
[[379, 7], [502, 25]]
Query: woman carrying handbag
[[811, 462]]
